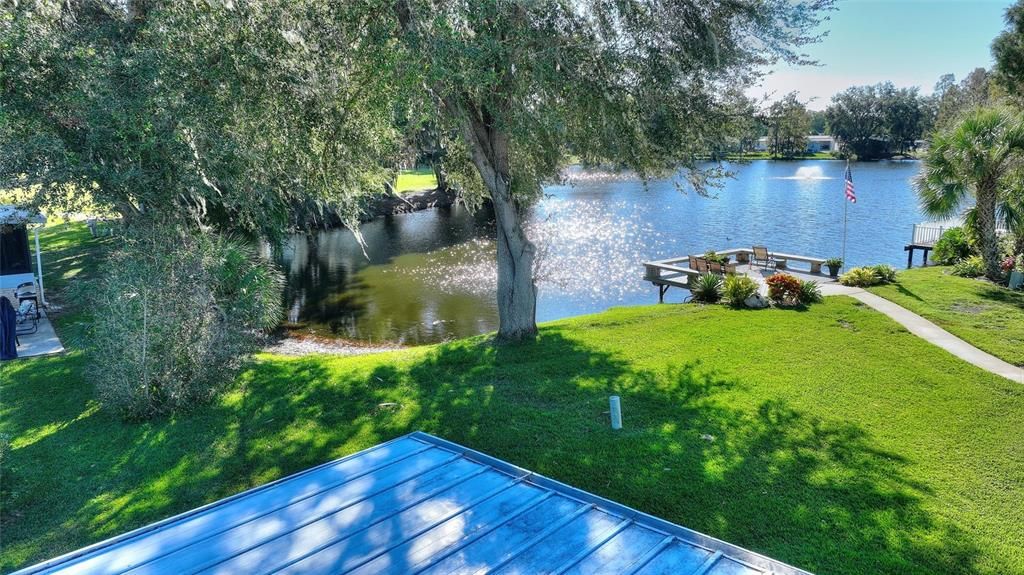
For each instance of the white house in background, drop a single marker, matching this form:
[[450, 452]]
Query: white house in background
[[815, 144]]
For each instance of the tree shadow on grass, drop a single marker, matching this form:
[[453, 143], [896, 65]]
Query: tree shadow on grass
[[904, 291], [696, 450], [1001, 294]]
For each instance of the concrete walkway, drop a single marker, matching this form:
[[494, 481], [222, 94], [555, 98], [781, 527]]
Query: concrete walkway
[[930, 332]]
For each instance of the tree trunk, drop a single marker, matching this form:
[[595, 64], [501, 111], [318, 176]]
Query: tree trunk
[[439, 174], [517, 292], [986, 215]]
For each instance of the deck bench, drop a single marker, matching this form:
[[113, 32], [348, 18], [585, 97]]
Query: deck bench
[[781, 259]]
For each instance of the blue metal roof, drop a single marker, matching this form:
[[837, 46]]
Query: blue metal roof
[[417, 504]]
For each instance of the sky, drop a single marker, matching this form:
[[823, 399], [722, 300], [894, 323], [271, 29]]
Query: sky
[[907, 42]]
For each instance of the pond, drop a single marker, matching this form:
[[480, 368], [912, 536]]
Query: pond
[[429, 276]]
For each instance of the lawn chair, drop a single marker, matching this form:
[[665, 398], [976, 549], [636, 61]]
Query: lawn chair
[[26, 292], [762, 257], [27, 316]]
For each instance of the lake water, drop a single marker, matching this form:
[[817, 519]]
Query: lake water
[[429, 276]]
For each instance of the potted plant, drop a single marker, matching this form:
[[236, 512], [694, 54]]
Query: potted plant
[[833, 265], [1015, 268], [718, 259]]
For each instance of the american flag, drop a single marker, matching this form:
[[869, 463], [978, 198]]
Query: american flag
[[849, 185]]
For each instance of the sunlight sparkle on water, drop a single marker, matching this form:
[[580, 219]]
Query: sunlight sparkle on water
[[806, 173], [584, 249]]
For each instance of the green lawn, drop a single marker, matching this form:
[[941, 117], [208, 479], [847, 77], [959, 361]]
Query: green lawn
[[988, 316], [829, 438], [415, 180]]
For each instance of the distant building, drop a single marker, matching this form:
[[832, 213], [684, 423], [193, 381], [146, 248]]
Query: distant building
[[815, 144]]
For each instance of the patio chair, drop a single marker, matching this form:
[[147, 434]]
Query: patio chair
[[26, 292], [716, 268], [702, 265], [761, 257], [27, 318]]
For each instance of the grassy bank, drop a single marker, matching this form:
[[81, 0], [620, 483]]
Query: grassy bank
[[829, 437], [415, 180], [986, 315]]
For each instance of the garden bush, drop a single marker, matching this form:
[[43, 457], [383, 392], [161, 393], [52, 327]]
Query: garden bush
[[173, 317], [707, 288], [971, 267], [738, 288], [885, 273], [860, 277], [810, 292], [953, 246], [783, 289]]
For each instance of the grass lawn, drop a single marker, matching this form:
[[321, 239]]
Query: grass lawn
[[415, 180], [829, 438], [988, 316]]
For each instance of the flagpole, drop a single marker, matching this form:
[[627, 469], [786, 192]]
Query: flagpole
[[846, 207]]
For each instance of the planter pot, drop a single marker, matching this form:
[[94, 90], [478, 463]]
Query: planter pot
[[833, 271], [1016, 280]]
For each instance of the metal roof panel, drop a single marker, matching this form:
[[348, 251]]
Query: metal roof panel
[[417, 504]]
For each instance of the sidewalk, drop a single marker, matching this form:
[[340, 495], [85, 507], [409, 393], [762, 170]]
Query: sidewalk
[[930, 332]]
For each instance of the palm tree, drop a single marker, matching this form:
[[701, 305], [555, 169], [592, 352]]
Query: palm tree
[[982, 156]]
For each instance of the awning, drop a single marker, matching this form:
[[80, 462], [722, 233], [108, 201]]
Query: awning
[[12, 215]]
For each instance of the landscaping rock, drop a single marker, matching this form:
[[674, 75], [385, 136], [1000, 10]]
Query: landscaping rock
[[756, 301]]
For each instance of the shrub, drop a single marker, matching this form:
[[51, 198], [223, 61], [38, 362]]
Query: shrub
[[971, 267], [707, 288], [715, 258], [885, 273], [810, 292], [173, 317], [1013, 264], [953, 246], [738, 288], [783, 289], [859, 277]]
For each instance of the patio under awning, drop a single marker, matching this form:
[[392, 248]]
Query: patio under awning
[[417, 504]]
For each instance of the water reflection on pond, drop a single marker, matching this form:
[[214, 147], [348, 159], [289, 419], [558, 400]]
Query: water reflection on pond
[[429, 276]]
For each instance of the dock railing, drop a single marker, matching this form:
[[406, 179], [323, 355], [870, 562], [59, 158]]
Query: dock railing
[[927, 235]]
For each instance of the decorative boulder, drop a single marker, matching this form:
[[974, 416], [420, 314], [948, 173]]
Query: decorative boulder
[[756, 301]]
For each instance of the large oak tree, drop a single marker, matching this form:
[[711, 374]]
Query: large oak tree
[[638, 84]]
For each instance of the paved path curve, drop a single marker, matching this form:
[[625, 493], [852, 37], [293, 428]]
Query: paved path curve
[[930, 332]]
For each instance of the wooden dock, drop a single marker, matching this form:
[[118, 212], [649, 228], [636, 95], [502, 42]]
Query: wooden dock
[[681, 272], [923, 238]]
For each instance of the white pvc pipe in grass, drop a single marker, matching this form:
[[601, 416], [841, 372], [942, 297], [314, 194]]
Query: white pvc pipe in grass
[[616, 411]]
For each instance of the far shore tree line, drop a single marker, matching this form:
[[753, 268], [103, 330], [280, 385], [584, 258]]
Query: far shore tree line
[[882, 121]]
